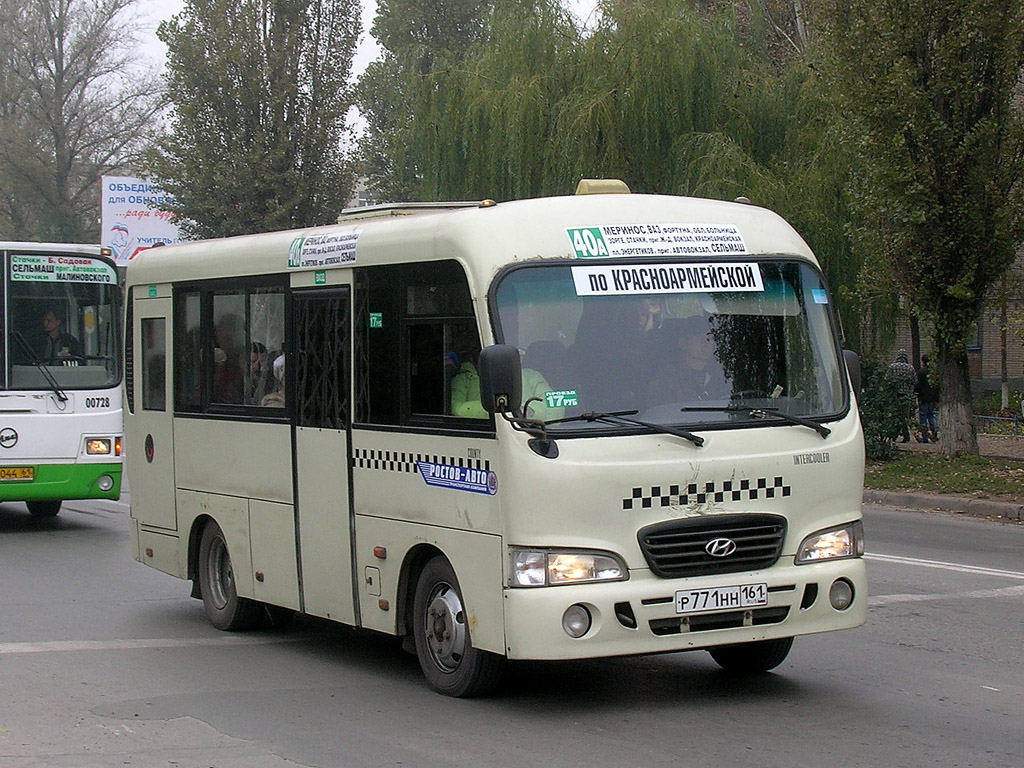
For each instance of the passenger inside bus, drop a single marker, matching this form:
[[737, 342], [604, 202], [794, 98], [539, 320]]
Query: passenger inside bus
[[260, 381], [465, 392], [465, 386], [228, 362], [687, 369], [276, 399], [607, 353]]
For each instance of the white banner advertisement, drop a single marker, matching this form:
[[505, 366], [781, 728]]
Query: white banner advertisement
[[130, 221]]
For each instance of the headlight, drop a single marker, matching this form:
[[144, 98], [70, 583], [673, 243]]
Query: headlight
[[97, 446], [832, 544], [544, 567]]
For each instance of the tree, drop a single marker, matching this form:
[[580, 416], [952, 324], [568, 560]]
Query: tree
[[673, 96], [441, 26], [416, 38], [930, 88], [259, 94], [74, 105]]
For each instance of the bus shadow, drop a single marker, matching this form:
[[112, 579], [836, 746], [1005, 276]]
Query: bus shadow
[[597, 684], [590, 685], [15, 518]]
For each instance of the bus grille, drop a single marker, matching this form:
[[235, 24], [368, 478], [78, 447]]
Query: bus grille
[[679, 548]]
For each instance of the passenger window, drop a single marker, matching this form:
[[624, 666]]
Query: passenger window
[[230, 359], [265, 368], [229, 348], [154, 364], [188, 348], [416, 345]]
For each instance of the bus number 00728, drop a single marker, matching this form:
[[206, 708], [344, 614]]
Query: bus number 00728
[[97, 402]]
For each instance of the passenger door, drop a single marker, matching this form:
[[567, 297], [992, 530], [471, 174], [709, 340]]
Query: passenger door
[[149, 433], [320, 383]]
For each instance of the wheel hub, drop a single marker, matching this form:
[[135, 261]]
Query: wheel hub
[[221, 575], [445, 628]]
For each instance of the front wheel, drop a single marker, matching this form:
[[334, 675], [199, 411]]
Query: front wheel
[[750, 658], [225, 609], [43, 508], [444, 647]]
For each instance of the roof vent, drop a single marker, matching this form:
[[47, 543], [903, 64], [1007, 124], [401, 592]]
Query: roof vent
[[602, 187]]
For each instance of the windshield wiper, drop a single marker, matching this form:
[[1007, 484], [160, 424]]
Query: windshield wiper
[[20, 338], [620, 418], [764, 413]]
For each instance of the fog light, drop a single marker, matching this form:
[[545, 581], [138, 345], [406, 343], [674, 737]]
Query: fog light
[[576, 621], [840, 594], [105, 483]]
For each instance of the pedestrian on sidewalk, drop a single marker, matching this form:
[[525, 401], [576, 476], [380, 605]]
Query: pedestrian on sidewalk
[[902, 374], [927, 399]]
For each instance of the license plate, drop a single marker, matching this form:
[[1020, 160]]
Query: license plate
[[721, 598], [17, 473]]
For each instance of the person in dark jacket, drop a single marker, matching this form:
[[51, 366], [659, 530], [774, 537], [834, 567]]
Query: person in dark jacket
[[927, 399], [903, 375], [54, 344]]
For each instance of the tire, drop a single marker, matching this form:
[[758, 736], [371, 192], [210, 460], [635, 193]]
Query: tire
[[43, 508], [751, 658], [444, 647], [225, 609]]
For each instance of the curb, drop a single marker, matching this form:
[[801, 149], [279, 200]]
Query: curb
[[961, 504]]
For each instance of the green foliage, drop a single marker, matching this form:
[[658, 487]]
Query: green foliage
[[672, 96], [990, 404], [883, 410], [259, 95], [929, 90], [424, 44], [439, 26], [934, 473]]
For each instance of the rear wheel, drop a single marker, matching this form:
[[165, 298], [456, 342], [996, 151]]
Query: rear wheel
[[748, 658], [43, 508], [225, 609], [444, 647]]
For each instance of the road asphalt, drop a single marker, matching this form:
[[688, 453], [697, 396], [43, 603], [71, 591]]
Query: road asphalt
[[994, 446]]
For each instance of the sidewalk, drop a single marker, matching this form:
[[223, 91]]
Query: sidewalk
[[994, 446]]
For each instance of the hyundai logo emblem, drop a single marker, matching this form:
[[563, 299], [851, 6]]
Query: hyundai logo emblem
[[8, 437], [720, 547]]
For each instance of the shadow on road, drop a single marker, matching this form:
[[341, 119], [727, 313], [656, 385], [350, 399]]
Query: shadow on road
[[15, 518]]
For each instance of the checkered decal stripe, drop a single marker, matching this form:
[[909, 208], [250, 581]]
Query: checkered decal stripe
[[694, 493], [400, 461]]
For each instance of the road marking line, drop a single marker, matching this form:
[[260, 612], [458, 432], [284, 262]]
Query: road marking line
[[882, 600], [958, 567], [64, 646]]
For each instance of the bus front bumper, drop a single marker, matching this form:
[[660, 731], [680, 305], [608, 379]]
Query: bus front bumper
[[66, 482], [639, 616]]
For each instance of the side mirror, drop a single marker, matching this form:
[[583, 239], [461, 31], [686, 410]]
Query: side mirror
[[852, 360], [501, 382]]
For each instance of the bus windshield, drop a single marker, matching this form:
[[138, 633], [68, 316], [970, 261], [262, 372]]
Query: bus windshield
[[713, 344], [60, 313]]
